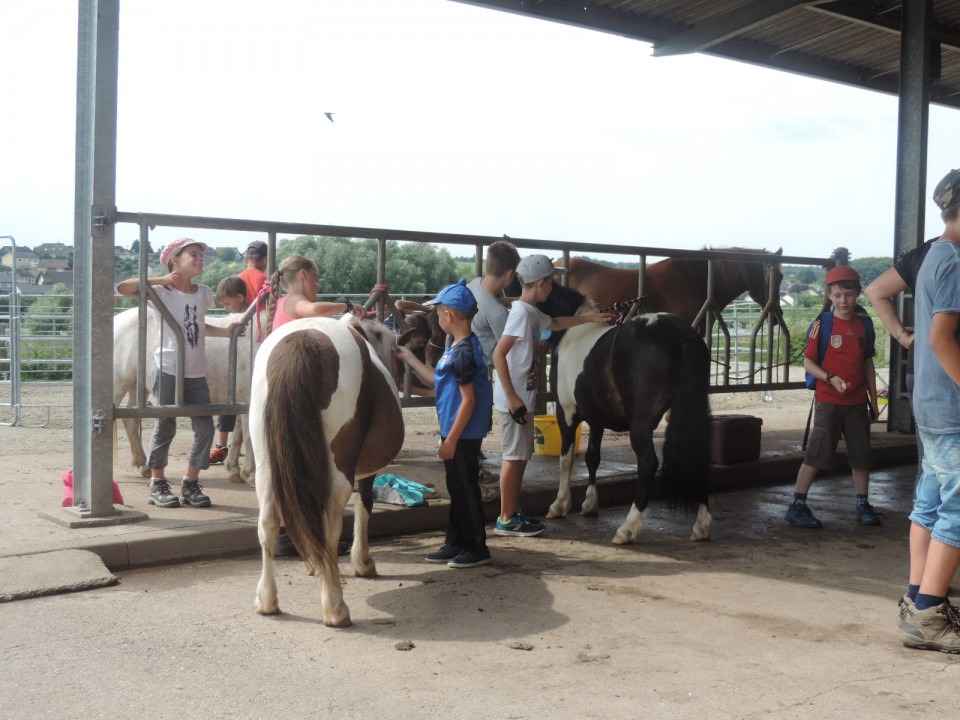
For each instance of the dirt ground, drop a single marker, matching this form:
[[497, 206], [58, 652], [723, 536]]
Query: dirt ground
[[765, 620]]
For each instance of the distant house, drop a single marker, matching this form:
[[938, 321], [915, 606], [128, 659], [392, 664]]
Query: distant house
[[53, 277], [26, 258], [56, 264], [54, 250]]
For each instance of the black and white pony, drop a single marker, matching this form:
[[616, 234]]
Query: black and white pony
[[625, 378], [324, 411]]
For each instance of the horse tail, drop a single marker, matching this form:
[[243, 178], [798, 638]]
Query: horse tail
[[686, 449], [299, 461]]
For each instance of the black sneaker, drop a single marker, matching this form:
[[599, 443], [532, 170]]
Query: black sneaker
[[470, 558], [444, 554], [192, 492], [866, 515], [160, 494], [799, 514]]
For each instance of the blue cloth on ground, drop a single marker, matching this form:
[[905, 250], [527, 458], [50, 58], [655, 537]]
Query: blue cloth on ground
[[396, 490]]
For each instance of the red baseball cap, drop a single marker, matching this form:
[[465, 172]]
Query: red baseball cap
[[176, 247], [840, 273]]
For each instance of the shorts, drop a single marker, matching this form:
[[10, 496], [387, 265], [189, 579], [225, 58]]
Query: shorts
[[517, 439], [830, 423], [936, 506]]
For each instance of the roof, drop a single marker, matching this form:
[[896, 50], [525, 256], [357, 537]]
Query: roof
[[856, 42]]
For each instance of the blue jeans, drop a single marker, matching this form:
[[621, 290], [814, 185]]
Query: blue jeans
[[936, 506]]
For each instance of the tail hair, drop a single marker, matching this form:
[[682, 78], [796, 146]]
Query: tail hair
[[685, 472], [299, 462]]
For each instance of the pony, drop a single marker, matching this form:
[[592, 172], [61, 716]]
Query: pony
[[423, 321], [676, 285], [324, 413], [125, 349], [625, 378]]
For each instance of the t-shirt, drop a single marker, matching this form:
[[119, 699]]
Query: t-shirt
[[254, 280], [489, 321], [847, 351], [524, 322], [461, 364], [190, 312], [908, 265], [936, 397]]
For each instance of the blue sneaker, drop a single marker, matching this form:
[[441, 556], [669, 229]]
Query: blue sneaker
[[470, 558], [444, 554], [518, 526], [799, 514]]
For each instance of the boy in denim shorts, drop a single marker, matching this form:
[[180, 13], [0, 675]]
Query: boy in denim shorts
[[927, 619], [515, 389], [846, 382]]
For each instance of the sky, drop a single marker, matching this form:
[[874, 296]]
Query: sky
[[447, 118]]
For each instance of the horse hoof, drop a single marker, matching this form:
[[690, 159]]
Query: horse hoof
[[338, 620], [365, 570], [697, 536], [621, 538], [589, 512], [144, 471], [235, 478], [266, 609], [556, 512]]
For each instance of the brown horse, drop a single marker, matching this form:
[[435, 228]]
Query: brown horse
[[675, 285]]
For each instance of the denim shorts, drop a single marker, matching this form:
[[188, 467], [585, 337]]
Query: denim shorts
[[936, 506]]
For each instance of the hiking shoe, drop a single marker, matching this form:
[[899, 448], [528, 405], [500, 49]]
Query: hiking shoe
[[160, 494], [192, 493], [470, 558], [799, 514], [907, 608], [866, 515], [218, 453], [936, 628], [518, 526], [444, 554]]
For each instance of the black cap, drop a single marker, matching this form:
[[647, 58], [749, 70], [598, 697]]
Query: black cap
[[257, 248]]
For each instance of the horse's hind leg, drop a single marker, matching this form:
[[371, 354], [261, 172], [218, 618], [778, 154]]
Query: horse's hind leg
[[363, 564], [268, 527], [591, 504], [232, 462], [335, 610], [642, 443], [703, 525]]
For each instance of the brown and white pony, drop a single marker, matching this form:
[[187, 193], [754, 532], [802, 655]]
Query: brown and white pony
[[324, 412]]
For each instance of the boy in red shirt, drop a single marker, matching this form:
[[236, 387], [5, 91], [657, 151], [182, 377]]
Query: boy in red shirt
[[846, 381]]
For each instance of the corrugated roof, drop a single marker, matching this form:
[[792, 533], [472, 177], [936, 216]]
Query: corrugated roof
[[856, 42]]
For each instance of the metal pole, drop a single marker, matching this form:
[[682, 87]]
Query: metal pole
[[915, 61], [94, 216]]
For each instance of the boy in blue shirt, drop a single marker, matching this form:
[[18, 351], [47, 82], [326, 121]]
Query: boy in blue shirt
[[464, 398]]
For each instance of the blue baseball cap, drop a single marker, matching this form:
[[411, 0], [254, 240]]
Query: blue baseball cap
[[456, 296]]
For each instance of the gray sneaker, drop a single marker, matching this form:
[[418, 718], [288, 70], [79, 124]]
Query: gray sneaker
[[936, 628], [160, 494], [907, 608], [192, 493]]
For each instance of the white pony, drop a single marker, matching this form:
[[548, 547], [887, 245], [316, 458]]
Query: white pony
[[324, 411], [217, 349]]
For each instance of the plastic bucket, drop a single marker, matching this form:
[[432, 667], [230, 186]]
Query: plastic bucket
[[546, 436]]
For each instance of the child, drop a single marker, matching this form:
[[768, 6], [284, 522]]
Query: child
[[232, 294], [464, 398], [514, 393], [254, 276], [300, 279], [927, 618], [488, 323], [846, 382], [188, 302]]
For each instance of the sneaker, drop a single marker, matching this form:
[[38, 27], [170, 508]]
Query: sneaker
[[160, 494], [866, 515], [192, 492], [936, 628], [518, 526], [799, 514], [444, 554], [470, 558], [218, 453], [285, 546]]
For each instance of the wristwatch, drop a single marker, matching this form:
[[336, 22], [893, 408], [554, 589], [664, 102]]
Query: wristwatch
[[349, 307], [830, 376]]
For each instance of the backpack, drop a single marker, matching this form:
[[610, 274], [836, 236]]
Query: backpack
[[825, 319]]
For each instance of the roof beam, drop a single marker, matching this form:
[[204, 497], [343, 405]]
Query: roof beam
[[724, 27]]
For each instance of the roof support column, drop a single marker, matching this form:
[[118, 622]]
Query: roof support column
[[915, 63]]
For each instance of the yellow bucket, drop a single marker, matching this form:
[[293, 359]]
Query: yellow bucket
[[546, 436]]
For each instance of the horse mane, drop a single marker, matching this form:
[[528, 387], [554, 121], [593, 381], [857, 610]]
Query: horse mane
[[736, 273]]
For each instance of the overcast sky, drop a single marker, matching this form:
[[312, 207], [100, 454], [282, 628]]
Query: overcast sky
[[447, 118]]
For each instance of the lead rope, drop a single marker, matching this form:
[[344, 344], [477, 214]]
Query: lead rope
[[622, 309]]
